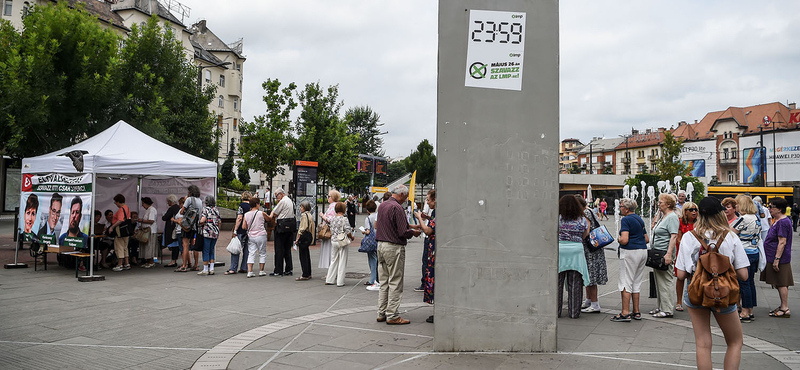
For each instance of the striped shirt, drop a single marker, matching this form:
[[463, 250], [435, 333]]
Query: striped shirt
[[393, 223]]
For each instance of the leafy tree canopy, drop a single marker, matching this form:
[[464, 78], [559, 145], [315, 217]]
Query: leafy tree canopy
[[423, 161]]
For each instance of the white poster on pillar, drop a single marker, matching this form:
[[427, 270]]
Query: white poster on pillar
[[495, 50]]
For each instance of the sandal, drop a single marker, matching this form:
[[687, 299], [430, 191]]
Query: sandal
[[196, 268], [182, 269], [781, 313], [621, 318], [171, 265], [230, 272], [679, 308], [662, 315], [654, 311], [637, 315]]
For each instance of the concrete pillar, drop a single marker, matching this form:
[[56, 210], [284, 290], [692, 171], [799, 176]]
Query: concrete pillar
[[497, 180]]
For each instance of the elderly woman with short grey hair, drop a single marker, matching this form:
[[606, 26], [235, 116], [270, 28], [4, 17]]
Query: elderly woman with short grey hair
[[305, 235], [171, 239], [210, 221], [632, 251]]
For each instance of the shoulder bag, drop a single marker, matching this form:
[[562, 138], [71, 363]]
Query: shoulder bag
[[369, 244], [126, 227], [324, 232], [599, 237]]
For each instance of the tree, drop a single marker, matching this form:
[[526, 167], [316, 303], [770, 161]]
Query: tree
[[395, 170], [226, 170], [159, 92], [669, 164], [323, 137], [423, 161], [574, 169], [55, 80], [244, 175], [264, 145], [365, 125]]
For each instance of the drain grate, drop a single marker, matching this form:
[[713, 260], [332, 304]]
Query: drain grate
[[355, 275]]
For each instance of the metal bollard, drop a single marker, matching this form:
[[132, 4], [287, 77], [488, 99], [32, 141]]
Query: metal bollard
[[652, 285]]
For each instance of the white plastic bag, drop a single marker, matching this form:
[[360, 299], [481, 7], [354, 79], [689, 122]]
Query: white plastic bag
[[235, 246]]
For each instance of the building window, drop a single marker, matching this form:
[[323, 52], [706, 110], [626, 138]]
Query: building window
[[208, 76], [731, 176], [733, 154], [8, 8], [235, 121], [235, 104], [725, 153], [219, 121], [240, 85], [239, 67], [653, 168], [221, 101], [642, 168], [221, 80]]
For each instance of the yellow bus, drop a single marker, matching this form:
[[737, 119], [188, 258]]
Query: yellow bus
[[765, 192]]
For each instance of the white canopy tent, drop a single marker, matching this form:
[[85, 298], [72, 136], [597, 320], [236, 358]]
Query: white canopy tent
[[122, 150]]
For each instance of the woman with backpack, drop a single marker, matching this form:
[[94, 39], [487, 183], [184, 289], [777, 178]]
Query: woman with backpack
[[712, 226], [189, 222], [372, 256]]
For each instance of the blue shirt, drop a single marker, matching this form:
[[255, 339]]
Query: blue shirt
[[634, 225]]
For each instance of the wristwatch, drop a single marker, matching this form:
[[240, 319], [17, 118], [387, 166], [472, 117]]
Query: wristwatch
[[777, 258]]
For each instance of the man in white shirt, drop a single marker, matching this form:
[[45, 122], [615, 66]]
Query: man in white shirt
[[283, 214]]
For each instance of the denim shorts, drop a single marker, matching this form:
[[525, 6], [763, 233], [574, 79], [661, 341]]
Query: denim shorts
[[730, 309]]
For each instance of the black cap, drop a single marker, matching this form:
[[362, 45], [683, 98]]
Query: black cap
[[709, 206]]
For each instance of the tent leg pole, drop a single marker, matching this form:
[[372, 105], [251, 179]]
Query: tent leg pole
[[92, 276]]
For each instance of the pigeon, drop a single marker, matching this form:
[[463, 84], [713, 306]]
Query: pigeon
[[77, 158]]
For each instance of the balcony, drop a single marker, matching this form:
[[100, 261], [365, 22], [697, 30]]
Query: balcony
[[641, 160], [626, 160], [652, 158], [728, 161]]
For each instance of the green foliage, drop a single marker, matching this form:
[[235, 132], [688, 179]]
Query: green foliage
[[243, 174], [396, 170], [226, 172], [237, 185], [423, 161], [265, 141], [575, 169], [366, 125], [669, 164], [158, 91], [55, 80], [65, 78], [323, 137]]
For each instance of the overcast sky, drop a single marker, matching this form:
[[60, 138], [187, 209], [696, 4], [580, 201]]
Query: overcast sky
[[641, 64]]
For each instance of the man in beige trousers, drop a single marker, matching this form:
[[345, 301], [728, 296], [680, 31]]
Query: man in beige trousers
[[392, 236]]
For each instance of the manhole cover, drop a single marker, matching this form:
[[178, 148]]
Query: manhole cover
[[355, 275]]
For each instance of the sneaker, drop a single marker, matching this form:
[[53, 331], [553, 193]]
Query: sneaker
[[586, 303], [148, 265], [81, 268], [590, 309], [251, 274], [127, 267], [203, 272], [419, 289], [273, 274], [117, 268], [211, 272], [374, 287], [262, 273]]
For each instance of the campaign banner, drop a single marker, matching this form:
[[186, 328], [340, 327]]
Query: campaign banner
[[159, 188], [752, 164], [56, 209], [695, 167]]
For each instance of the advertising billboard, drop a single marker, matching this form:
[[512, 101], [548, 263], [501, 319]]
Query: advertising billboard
[[700, 158], [752, 164], [783, 156], [56, 209]]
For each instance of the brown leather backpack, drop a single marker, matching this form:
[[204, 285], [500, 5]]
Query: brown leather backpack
[[714, 284]]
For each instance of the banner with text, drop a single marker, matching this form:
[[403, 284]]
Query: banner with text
[[56, 209]]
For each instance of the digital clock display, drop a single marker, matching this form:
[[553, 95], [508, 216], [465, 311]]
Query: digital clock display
[[495, 49]]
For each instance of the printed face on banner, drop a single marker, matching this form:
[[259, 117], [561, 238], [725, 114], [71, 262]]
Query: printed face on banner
[[56, 209]]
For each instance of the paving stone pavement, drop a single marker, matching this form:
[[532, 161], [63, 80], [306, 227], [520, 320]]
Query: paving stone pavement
[[158, 319]]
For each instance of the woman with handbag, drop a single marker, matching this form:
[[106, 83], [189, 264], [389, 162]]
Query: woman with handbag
[[121, 242], [305, 236], [170, 236], [430, 247], [341, 236], [665, 236], [687, 220], [748, 228], [148, 226], [372, 253], [632, 253], [595, 263], [778, 252], [712, 224], [572, 229], [326, 245], [210, 222], [255, 223]]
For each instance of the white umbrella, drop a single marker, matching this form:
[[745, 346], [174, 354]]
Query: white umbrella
[[589, 193]]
